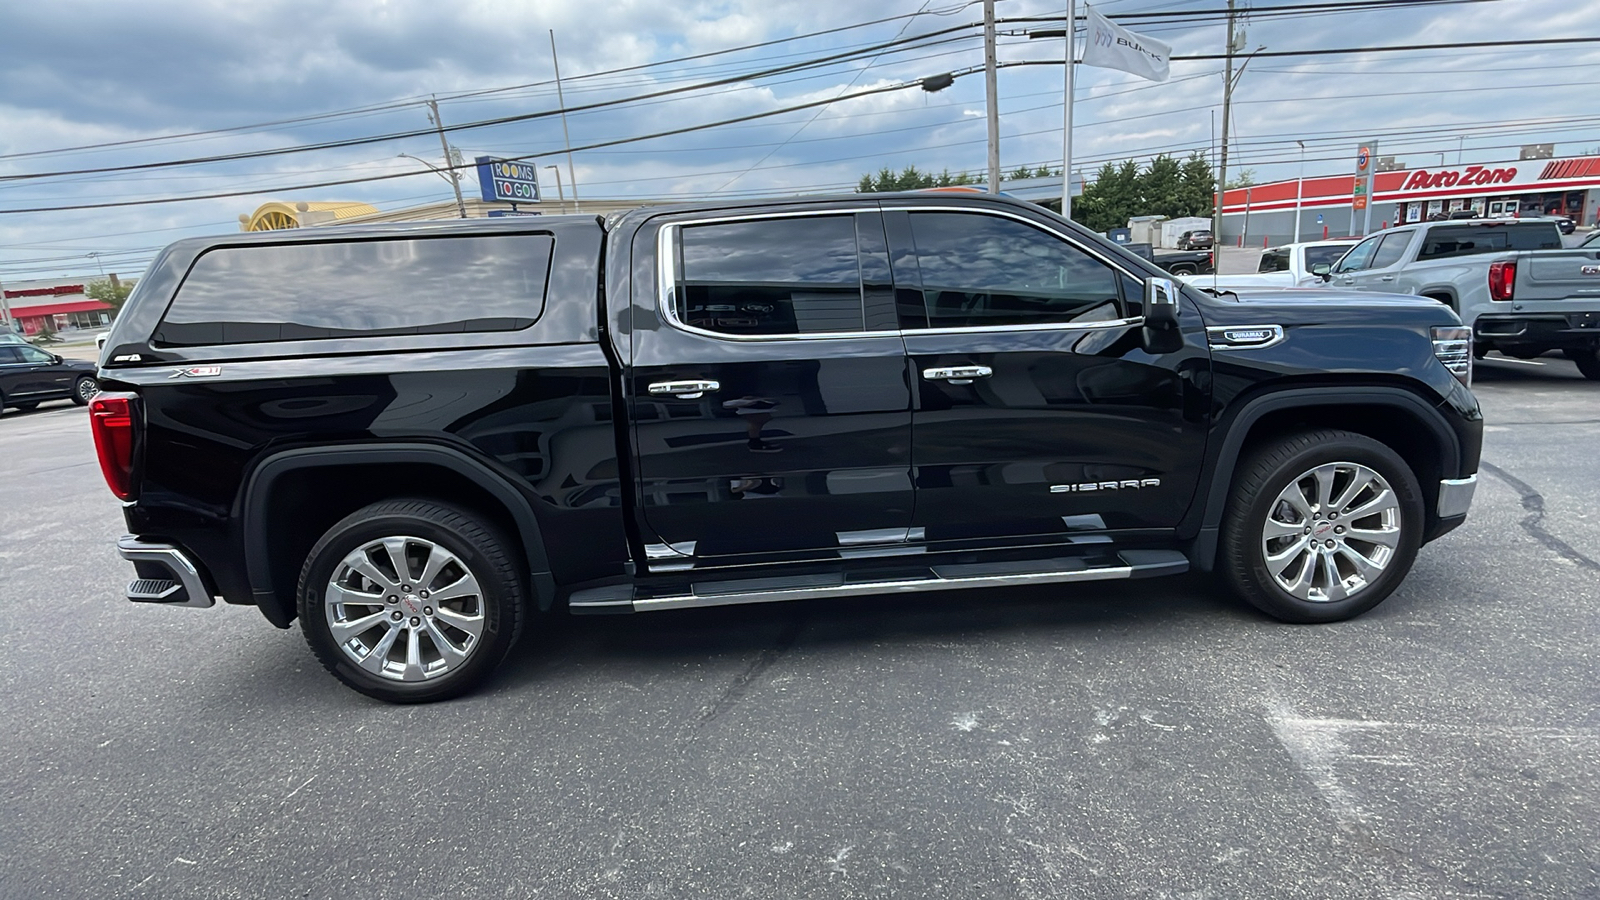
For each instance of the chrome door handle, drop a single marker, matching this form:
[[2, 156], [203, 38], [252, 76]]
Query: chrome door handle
[[1387, 278], [957, 374], [684, 390]]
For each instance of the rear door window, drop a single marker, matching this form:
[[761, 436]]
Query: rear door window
[[1274, 261], [770, 277], [334, 289]]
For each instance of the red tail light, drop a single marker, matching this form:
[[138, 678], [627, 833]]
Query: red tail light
[[111, 419], [1502, 279]]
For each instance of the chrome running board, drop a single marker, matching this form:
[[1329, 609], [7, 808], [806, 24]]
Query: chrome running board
[[945, 577]]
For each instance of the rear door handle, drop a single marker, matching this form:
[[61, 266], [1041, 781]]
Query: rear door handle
[[957, 374], [684, 390]]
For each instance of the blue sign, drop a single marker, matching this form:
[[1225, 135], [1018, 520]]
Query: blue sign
[[1319, 218], [505, 181]]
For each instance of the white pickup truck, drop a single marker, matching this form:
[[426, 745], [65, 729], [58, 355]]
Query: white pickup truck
[[1291, 265], [1508, 279]]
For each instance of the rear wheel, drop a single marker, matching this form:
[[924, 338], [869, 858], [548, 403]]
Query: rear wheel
[[1183, 269], [1321, 526], [84, 390], [1588, 362], [411, 601]]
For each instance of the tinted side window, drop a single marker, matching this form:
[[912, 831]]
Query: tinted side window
[[784, 276], [1390, 251], [1318, 256], [10, 356], [1463, 241], [34, 356], [291, 292], [980, 271], [1357, 257], [1274, 261]]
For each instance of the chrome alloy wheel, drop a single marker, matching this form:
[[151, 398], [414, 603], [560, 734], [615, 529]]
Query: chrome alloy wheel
[[1331, 532], [86, 388], [404, 609]]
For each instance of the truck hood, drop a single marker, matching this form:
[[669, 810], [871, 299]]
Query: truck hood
[[1324, 306]]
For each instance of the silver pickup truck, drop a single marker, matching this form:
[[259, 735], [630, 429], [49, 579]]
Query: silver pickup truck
[[1508, 279]]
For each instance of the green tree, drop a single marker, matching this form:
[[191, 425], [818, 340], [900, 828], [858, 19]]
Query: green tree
[[1161, 188], [1198, 188], [909, 179], [1245, 178], [114, 294]]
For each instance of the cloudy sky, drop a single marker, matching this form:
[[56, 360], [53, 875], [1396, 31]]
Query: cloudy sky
[[117, 85]]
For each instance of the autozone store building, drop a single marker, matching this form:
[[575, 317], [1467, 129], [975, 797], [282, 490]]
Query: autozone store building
[[1530, 187]]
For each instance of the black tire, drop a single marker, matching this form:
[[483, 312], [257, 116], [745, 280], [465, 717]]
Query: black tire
[[84, 389], [1259, 485], [1588, 362], [1479, 351], [1182, 269], [497, 607]]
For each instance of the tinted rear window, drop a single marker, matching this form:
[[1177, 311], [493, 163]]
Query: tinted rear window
[[292, 292], [1465, 240]]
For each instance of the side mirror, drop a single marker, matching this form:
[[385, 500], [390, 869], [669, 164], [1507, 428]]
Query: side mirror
[[1161, 334], [56, 359], [1322, 270], [1160, 304]]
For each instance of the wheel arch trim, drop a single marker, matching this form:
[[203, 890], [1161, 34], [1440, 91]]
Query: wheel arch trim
[[258, 492], [1238, 427]]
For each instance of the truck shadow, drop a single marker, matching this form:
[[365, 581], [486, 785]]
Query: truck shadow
[[1549, 369], [663, 638]]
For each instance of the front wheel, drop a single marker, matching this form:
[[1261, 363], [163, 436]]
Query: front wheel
[[1184, 270], [411, 601], [84, 390], [1321, 526]]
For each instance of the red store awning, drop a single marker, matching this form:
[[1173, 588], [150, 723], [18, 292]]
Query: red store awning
[[52, 309]]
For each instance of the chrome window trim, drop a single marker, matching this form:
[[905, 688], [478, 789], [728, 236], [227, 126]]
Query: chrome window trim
[[667, 277]]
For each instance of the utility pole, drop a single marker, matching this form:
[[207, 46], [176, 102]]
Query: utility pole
[[992, 94], [1066, 126], [449, 164], [572, 175], [1227, 104]]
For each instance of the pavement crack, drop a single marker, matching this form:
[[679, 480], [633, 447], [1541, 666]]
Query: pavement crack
[[1533, 502], [740, 686]]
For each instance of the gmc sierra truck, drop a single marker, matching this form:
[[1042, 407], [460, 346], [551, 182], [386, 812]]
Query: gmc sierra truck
[[416, 438], [1509, 279]]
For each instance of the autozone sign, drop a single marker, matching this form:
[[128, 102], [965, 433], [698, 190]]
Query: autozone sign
[[1422, 179]]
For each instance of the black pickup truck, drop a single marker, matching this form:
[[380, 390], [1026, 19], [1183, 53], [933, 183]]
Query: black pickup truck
[[415, 438]]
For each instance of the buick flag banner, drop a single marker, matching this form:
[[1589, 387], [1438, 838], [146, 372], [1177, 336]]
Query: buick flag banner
[[1111, 46]]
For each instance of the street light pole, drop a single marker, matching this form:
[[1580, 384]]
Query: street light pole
[[560, 195], [1299, 193], [455, 180], [561, 100], [1227, 102]]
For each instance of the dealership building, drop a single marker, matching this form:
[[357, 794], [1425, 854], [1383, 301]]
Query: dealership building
[[1567, 187], [56, 304]]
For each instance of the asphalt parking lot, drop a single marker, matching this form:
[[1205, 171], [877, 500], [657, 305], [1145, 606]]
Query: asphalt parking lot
[[1152, 739]]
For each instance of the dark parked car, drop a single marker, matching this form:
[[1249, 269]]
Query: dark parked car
[[416, 438], [1195, 240], [29, 376], [1566, 225]]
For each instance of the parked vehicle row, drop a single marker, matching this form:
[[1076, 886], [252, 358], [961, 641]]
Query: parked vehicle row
[[1509, 279], [415, 437], [1290, 265], [30, 376]]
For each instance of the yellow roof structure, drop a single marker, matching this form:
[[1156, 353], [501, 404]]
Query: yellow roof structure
[[275, 215]]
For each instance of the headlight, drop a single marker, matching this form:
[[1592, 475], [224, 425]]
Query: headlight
[[1452, 344]]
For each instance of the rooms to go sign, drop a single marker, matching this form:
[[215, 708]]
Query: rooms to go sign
[[506, 181]]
